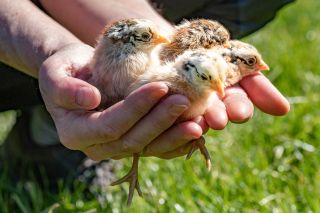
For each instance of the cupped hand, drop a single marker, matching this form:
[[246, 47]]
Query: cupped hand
[[238, 103], [127, 127]]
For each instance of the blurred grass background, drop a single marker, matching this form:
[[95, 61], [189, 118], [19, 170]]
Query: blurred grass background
[[269, 164]]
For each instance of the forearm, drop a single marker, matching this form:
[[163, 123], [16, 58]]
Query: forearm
[[28, 36], [86, 19]]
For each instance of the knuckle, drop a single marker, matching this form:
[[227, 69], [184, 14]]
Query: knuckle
[[130, 146], [110, 133]]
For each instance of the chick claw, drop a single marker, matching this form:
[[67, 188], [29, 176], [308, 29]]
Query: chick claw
[[132, 178], [200, 143]]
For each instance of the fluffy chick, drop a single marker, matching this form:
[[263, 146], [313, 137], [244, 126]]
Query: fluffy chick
[[123, 52], [195, 74], [191, 35], [243, 60]]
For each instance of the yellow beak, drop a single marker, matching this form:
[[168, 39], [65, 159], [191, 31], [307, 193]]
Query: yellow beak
[[218, 87], [161, 39], [262, 66]]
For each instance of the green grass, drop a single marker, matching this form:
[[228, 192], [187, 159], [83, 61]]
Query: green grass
[[269, 164]]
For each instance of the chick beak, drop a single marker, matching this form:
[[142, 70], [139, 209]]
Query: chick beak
[[227, 44], [161, 39], [263, 66], [218, 87]]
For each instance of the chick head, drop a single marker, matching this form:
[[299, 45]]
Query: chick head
[[203, 69], [247, 58], [140, 34]]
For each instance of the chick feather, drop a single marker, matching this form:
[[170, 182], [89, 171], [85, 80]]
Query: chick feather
[[194, 34]]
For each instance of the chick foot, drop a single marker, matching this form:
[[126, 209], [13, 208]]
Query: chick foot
[[132, 178], [200, 143]]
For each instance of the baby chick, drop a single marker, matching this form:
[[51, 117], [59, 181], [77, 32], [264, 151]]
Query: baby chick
[[243, 60], [124, 51], [195, 74], [122, 54], [191, 35]]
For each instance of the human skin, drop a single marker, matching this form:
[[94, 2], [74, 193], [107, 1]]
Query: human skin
[[55, 52]]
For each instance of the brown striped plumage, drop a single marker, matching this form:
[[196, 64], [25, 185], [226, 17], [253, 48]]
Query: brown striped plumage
[[191, 35]]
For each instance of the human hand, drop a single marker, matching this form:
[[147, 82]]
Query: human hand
[[237, 105], [120, 130]]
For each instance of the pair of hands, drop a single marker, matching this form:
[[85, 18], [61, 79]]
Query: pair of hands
[[141, 122]]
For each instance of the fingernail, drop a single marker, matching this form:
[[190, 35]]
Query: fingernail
[[197, 119], [177, 109], [159, 93], [84, 96]]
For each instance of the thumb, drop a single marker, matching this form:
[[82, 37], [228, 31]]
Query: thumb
[[73, 93], [67, 92]]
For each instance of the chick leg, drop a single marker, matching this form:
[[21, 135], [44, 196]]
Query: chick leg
[[132, 178], [200, 143]]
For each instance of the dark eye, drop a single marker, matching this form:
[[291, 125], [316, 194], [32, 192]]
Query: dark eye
[[251, 61], [145, 37], [189, 66], [204, 77]]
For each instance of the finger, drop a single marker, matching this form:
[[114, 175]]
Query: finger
[[264, 95], [177, 147], [238, 105], [157, 121], [103, 151], [200, 120], [118, 157], [148, 128], [65, 91], [178, 152], [173, 138], [216, 115], [110, 124], [189, 135]]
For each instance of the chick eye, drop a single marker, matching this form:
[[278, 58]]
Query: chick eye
[[251, 61], [189, 66], [145, 37], [204, 77]]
